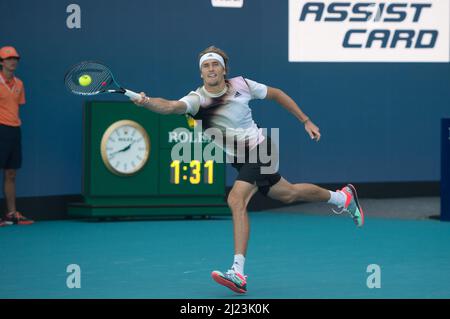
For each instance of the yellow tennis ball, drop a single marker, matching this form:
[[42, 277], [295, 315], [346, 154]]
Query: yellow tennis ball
[[85, 80], [191, 121]]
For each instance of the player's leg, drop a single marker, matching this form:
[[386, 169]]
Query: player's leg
[[290, 193], [346, 198], [238, 199]]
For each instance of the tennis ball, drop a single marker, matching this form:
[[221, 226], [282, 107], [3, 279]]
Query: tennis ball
[[191, 121], [85, 80]]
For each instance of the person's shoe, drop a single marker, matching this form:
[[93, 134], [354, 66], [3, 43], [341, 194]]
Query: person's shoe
[[231, 279], [18, 218], [4, 223], [352, 205]]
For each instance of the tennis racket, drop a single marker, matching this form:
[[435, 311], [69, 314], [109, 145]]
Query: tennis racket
[[92, 78]]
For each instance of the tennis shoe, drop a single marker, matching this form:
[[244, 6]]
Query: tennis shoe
[[4, 223], [232, 280], [18, 218], [351, 205]]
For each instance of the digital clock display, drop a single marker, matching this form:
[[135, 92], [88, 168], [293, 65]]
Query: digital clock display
[[192, 172]]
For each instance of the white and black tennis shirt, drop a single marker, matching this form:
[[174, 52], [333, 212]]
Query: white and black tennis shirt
[[229, 112]]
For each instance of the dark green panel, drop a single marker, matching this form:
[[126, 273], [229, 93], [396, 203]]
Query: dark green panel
[[168, 124], [149, 192], [174, 129], [149, 211], [100, 180], [160, 200]]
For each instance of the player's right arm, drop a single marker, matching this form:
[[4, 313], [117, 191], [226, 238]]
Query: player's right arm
[[160, 105]]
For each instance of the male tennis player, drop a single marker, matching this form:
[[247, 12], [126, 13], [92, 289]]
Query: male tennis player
[[12, 95], [224, 104]]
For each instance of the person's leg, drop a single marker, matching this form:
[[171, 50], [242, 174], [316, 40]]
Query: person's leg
[[289, 193], [14, 163], [5, 222], [9, 189], [346, 198], [238, 199]]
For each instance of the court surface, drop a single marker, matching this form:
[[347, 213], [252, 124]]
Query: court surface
[[291, 255]]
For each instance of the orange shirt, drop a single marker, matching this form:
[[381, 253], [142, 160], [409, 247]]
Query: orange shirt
[[12, 93]]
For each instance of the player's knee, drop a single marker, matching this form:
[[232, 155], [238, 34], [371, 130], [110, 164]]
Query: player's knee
[[290, 196], [235, 201], [288, 199]]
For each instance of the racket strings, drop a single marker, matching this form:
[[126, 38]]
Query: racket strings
[[100, 78]]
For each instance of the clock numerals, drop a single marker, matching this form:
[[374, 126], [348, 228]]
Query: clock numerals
[[176, 168]]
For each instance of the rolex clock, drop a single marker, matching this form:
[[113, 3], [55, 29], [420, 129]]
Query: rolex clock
[[129, 171], [125, 147]]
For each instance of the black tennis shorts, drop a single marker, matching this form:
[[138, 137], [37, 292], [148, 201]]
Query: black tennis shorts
[[10, 147], [252, 170]]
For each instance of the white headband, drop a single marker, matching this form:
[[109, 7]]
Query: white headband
[[213, 56]]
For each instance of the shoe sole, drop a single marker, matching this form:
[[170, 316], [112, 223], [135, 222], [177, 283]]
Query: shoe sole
[[25, 223], [224, 282], [6, 224], [355, 196], [20, 222]]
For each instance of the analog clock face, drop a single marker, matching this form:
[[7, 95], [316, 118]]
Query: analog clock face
[[125, 147]]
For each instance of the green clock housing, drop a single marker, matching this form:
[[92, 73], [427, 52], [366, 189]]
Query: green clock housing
[[118, 135]]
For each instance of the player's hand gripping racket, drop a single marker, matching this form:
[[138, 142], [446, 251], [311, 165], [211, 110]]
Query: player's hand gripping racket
[[91, 78]]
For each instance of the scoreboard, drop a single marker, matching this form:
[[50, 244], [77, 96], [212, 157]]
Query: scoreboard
[[128, 169]]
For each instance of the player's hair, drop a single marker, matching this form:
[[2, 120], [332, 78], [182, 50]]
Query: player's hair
[[219, 52]]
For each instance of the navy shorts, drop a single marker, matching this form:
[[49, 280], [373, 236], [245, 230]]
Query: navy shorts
[[10, 147], [253, 171]]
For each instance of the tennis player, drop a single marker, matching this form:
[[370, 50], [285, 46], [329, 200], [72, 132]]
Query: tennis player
[[223, 103]]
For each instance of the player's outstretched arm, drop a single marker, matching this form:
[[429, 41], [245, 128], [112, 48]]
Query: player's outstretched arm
[[160, 105], [289, 104]]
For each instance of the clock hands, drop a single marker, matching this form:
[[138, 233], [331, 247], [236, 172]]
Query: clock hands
[[126, 148]]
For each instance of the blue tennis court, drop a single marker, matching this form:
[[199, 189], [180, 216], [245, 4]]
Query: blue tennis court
[[291, 255]]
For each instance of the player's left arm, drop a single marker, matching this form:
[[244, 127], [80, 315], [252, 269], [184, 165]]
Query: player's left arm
[[289, 104]]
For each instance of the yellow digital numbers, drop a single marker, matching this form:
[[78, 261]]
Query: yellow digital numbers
[[175, 172], [178, 171], [195, 172], [209, 172]]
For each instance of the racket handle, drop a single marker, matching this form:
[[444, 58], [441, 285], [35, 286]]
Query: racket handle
[[132, 95]]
